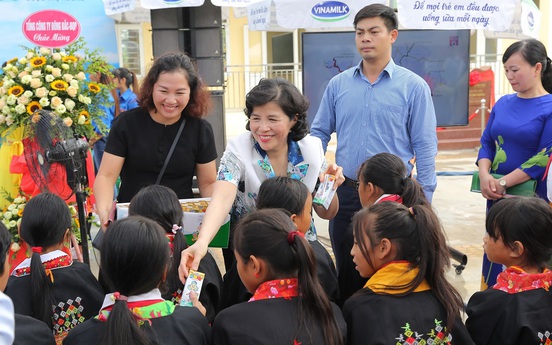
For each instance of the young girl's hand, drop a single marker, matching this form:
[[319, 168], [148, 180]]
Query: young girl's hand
[[196, 303]]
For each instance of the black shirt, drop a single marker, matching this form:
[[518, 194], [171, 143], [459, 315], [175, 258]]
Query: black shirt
[[145, 144]]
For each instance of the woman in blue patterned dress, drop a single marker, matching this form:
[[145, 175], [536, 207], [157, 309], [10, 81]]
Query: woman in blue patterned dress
[[518, 138]]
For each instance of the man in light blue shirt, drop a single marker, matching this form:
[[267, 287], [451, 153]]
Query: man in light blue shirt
[[374, 107]]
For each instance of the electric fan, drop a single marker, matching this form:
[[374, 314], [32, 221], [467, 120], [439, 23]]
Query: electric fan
[[57, 162]]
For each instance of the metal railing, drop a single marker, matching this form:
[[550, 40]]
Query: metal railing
[[239, 79]]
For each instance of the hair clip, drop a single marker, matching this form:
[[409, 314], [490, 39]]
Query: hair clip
[[411, 210], [118, 297], [291, 236], [176, 228], [37, 250]]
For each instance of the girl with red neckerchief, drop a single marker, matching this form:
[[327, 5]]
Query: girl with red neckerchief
[[49, 285], [516, 310], [134, 259], [289, 306]]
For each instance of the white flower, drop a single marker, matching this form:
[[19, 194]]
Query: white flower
[[67, 77], [9, 120], [8, 83], [56, 56], [11, 99], [69, 104], [67, 121], [56, 72], [28, 94], [35, 82], [20, 109], [52, 93], [6, 110], [13, 224], [22, 101], [86, 100], [36, 73], [81, 76], [11, 74], [7, 215], [81, 120], [2, 103], [20, 207], [63, 53], [61, 109], [49, 78], [23, 61], [2, 119], [26, 79], [11, 207], [44, 102], [29, 55], [80, 98], [48, 68], [64, 66], [45, 51], [18, 200], [22, 74], [41, 92], [15, 247], [72, 91], [56, 102]]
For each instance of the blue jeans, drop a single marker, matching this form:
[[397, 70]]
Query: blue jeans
[[99, 148]]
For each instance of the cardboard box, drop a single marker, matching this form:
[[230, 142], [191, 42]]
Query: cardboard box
[[193, 211]]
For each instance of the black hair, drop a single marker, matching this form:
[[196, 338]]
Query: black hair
[[378, 10], [418, 237], [130, 77], [161, 204], [286, 96], [533, 51], [200, 99], [5, 242], [388, 172], [108, 80], [45, 221], [264, 234], [283, 192], [527, 220], [134, 257]]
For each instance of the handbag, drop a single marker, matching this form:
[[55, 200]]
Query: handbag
[[97, 241], [526, 188]]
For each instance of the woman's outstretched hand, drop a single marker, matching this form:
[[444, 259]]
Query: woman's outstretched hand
[[190, 259]]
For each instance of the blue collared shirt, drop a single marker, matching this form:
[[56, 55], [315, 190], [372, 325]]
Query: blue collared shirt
[[127, 100], [394, 114]]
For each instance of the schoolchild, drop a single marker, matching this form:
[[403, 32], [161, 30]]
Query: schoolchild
[[288, 306], [134, 259], [407, 298], [516, 310], [161, 204], [49, 285], [126, 84], [294, 197], [383, 177], [27, 330]]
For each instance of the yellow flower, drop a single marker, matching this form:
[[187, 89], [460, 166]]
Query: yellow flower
[[32, 107], [69, 58], [15, 90], [38, 61], [13, 60], [59, 85], [85, 113], [94, 87]]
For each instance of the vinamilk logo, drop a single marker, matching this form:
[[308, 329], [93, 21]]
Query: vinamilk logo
[[330, 11]]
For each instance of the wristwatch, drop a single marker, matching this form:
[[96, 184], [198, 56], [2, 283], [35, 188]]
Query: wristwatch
[[502, 183]]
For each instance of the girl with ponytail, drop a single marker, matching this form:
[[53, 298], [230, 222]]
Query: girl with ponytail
[[403, 253], [160, 203], [289, 306], [126, 84], [49, 285], [134, 259]]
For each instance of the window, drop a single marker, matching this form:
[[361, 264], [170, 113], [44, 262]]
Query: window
[[131, 55]]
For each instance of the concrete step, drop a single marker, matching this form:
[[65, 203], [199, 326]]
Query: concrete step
[[458, 133], [458, 144]]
